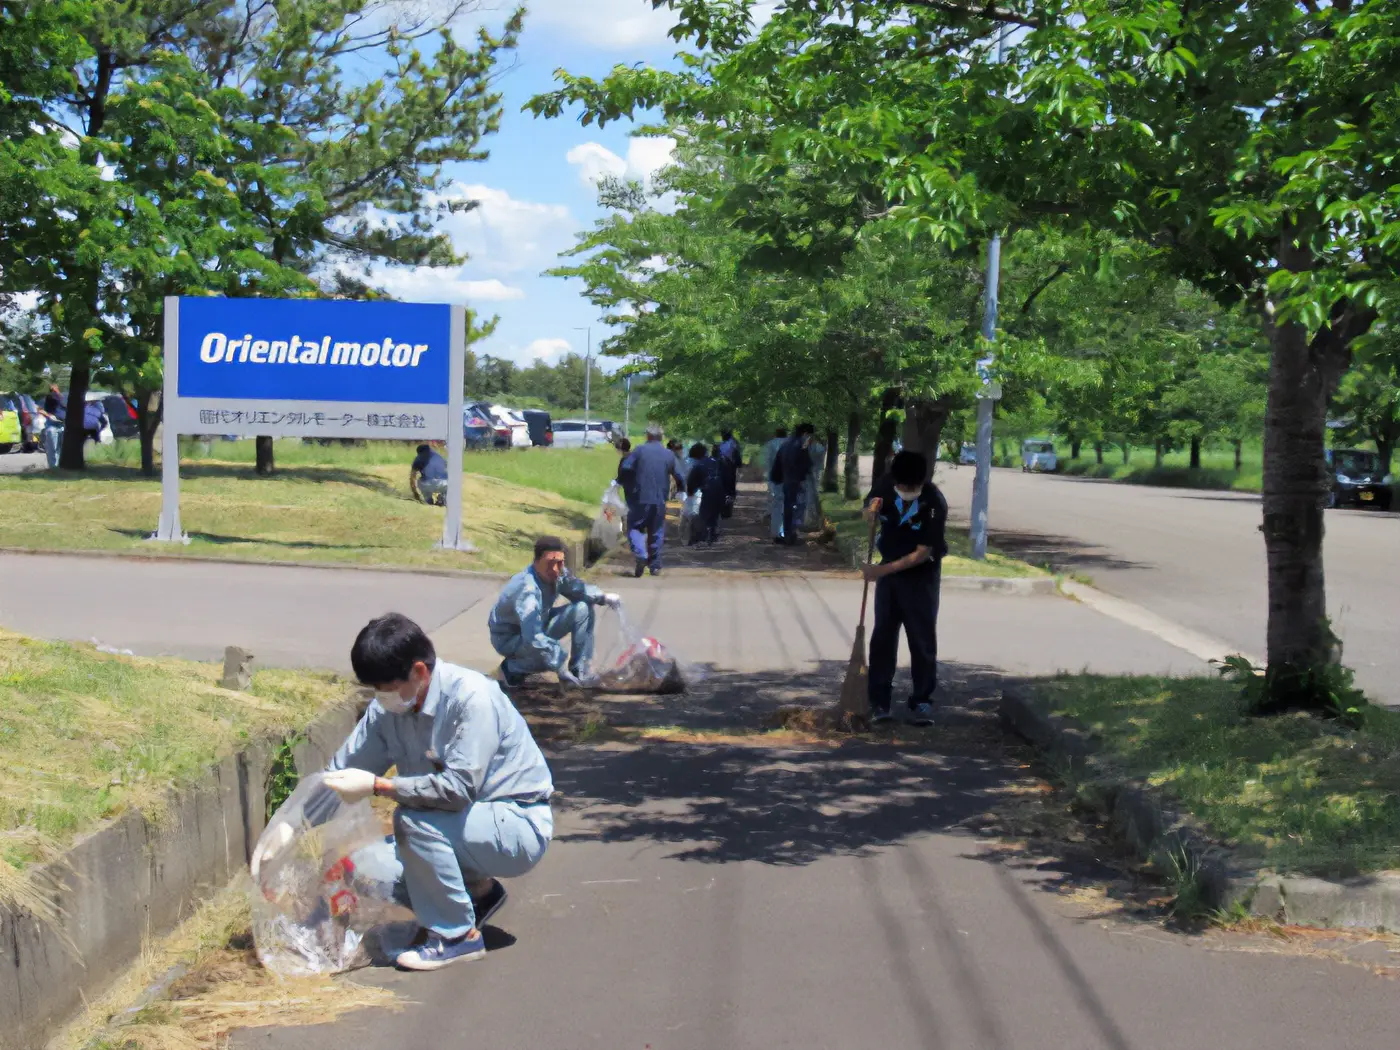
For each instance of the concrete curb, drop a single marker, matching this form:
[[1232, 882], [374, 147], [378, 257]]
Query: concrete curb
[[1022, 586], [1171, 841], [132, 879]]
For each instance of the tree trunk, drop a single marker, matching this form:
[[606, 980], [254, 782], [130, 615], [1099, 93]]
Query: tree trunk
[[1098, 452], [853, 456], [1127, 452], [884, 436], [833, 453], [1195, 453], [1296, 483], [1239, 456], [148, 414], [1159, 453], [1385, 447], [265, 463], [1074, 446], [923, 426], [70, 457]]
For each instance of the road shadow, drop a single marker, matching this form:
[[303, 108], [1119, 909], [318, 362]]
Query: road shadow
[[1058, 553]]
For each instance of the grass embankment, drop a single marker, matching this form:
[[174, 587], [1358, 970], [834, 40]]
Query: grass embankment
[[1293, 793], [853, 536], [325, 504], [86, 735]]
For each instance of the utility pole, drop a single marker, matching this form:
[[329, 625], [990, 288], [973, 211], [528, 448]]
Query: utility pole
[[587, 378], [627, 409], [987, 397]]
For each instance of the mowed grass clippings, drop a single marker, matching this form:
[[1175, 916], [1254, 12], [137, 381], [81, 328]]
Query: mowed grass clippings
[[223, 987], [85, 736], [1294, 793], [312, 513]]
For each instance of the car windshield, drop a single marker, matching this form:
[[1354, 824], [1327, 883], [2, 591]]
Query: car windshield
[[1353, 462]]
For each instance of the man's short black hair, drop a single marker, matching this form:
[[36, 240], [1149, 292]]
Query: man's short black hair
[[698, 451], [726, 434], [423, 450], [624, 445], [780, 432], [909, 469], [547, 545], [805, 428], [386, 649]]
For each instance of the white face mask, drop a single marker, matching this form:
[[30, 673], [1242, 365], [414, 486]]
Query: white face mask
[[394, 703], [907, 495]]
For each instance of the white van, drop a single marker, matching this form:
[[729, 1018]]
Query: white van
[[1038, 454], [569, 433]]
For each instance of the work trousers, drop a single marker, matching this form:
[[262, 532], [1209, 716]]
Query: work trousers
[[908, 599], [646, 530], [775, 510], [791, 494], [441, 851], [574, 621]]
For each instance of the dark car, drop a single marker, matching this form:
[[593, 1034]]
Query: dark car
[[121, 416], [1358, 479], [541, 427], [481, 429]]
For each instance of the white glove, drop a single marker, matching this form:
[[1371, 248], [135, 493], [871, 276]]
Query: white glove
[[352, 785], [612, 600], [567, 677], [275, 842]]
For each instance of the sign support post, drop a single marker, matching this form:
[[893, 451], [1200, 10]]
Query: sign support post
[[452, 538], [168, 530]]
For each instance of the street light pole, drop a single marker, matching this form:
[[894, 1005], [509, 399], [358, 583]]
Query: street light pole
[[627, 409], [587, 378], [986, 399]]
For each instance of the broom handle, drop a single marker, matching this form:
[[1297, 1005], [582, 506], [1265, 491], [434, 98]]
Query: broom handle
[[869, 557]]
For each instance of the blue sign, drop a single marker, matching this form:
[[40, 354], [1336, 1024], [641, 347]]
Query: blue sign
[[315, 350]]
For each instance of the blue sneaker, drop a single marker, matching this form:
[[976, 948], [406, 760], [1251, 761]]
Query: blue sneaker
[[436, 951], [921, 715]]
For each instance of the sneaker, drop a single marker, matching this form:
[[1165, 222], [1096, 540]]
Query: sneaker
[[779, 541], [639, 568], [656, 572], [437, 951], [921, 715], [488, 905], [879, 718], [587, 678], [515, 681]]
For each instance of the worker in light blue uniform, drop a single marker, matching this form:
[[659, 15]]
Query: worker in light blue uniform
[[653, 465], [775, 491], [471, 786], [528, 629]]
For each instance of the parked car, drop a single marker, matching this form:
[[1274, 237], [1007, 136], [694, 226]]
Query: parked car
[[1358, 479], [31, 423], [967, 454], [1038, 454], [515, 422], [541, 427], [479, 429], [570, 433], [11, 428], [121, 414]]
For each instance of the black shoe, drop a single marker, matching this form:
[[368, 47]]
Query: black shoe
[[880, 718], [779, 541], [638, 569], [488, 905], [656, 572]]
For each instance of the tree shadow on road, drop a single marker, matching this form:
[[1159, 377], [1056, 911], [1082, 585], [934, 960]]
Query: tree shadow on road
[[1058, 553]]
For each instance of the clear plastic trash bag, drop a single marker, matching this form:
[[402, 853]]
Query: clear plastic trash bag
[[325, 885], [690, 515], [611, 520], [631, 662]]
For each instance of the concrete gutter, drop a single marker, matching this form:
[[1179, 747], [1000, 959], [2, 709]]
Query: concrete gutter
[[1172, 841], [1023, 586], [132, 879]]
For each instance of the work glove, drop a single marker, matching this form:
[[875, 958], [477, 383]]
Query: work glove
[[274, 842], [567, 677], [352, 785], [612, 600]]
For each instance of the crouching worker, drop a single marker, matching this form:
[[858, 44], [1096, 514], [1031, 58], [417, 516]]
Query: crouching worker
[[427, 477], [472, 786], [528, 629]]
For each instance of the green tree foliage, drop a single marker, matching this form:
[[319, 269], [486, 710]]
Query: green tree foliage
[[1368, 401]]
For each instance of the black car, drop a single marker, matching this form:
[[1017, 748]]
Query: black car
[[1358, 479], [541, 427]]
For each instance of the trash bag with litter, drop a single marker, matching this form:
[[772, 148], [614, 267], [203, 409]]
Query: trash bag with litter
[[324, 875], [690, 518], [635, 663], [610, 522]]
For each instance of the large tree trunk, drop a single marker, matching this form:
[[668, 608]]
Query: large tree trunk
[[1159, 453], [1098, 452], [148, 413], [1195, 453], [1239, 455], [833, 454], [923, 426], [1074, 447], [884, 436], [265, 462], [1385, 446], [71, 455], [1301, 382], [1127, 452], [853, 456]]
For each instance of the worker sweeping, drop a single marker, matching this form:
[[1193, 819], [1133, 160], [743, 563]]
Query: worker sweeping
[[471, 786], [912, 515]]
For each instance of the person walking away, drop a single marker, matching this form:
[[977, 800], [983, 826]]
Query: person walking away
[[706, 478], [471, 787], [912, 516], [731, 457], [656, 466], [683, 463], [790, 471], [809, 506], [626, 471], [54, 410], [427, 477], [528, 629], [775, 492], [94, 420]]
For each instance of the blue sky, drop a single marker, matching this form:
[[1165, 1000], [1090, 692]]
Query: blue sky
[[536, 191]]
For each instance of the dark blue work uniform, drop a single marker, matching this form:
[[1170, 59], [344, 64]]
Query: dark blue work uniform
[[707, 478], [653, 467], [907, 599], [795, 463]]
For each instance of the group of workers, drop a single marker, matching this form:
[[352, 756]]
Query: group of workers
[[793, 466]]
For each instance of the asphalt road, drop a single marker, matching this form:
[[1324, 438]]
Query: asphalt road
[[1197, 557], [20, 462]]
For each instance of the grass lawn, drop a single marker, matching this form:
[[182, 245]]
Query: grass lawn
[[326, 504], [86, 735], [853, 535], [1293, 793]]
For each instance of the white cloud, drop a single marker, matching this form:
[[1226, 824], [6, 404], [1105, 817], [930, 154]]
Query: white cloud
[[645, 156], [504, 235], [437, 284], [548, 350], [605, 25]]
